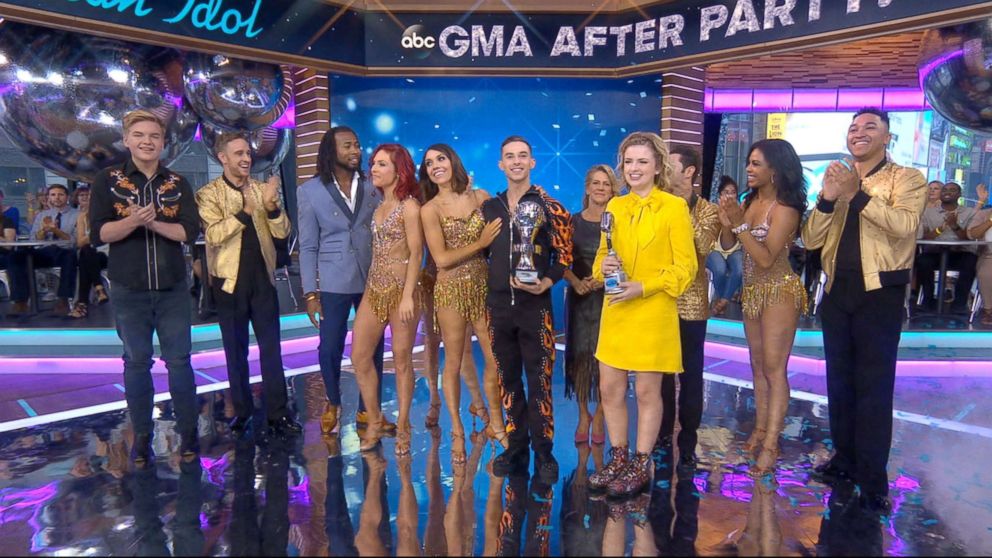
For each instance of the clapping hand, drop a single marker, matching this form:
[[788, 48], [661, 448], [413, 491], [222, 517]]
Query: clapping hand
[[270, 193], [840, 181], [730, 212], [982, 192]]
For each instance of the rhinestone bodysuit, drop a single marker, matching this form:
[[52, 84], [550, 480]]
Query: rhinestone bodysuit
[[775, 285], [390, 256], [463, 288]]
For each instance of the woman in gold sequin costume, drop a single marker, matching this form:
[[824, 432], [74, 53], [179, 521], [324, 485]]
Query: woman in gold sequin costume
[[773, 296], [456, 235], [391, 292]]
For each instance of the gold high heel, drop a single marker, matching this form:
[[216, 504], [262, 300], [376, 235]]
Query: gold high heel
[[482, 412], [458, 456], [433, 415], [752, 447], [757, 470], [373, 435], [403, 440]]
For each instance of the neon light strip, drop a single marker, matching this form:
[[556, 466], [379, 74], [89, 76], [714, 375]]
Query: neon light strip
[[909, 339], [932, 422], [38, 420], [828, 99], [108, 336]]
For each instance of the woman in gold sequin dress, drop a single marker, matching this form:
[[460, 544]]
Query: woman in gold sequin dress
[[773, 296], [391, 292], [456, 235]]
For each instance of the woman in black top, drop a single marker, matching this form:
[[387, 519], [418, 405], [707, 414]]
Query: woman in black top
[[584, 304]]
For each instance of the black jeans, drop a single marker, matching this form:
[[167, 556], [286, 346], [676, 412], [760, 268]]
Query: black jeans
[[965, 263], [139, 314], [254, 299], [46, 256], [523, 339], [861, 333], [336, 308], [692, 334]]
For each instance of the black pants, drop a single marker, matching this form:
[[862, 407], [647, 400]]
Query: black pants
[[46, 256], [91, 261], [535, 505], [860, 340], [254, 299], [693, 335], [523, 339], [965, 263]]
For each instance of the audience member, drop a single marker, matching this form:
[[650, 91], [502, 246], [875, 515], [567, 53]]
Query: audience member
[[950, 221]]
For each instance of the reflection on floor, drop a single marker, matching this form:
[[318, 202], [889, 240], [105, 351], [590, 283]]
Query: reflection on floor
[[67, 489]]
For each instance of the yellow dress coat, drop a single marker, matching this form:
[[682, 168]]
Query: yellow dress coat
[[653, 237]]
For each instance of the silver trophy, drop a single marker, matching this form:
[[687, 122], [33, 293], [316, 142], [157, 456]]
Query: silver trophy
[[611, 281], [529, 218]]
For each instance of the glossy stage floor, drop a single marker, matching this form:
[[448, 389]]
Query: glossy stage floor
[[67, 488]]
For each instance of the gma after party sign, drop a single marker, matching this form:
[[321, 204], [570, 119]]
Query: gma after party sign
[[322, 31]]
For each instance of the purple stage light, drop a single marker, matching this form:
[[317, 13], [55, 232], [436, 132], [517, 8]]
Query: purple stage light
[[813, 100]]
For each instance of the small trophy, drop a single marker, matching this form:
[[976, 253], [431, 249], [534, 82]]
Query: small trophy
[[611, 282], [529, 218]]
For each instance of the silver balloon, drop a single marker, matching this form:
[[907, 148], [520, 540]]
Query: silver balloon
[[236, 94], [63, 96], [956, 73], [269, 146]]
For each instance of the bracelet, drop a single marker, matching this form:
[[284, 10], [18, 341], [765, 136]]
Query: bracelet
[[310, 296], [938, 231], [743, 227]]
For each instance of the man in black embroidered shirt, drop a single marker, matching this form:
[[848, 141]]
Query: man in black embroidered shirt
[[241, 217], [145, 212]]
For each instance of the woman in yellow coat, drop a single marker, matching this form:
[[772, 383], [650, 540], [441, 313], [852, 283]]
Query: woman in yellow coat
[[639, 332]]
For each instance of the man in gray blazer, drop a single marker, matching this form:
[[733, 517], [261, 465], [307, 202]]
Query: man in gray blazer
[[335, 213]]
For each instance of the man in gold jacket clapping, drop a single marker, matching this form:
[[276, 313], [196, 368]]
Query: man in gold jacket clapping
[[241, 216]]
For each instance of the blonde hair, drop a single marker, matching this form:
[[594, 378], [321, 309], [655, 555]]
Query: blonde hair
[[610, 175], [652, 141], [141, 115]]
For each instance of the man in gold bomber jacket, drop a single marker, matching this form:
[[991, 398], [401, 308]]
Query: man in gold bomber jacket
[[865, 222], [694, 310], [241, 217]]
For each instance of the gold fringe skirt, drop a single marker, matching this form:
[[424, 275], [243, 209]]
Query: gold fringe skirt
[[384, 301], [757, 297], [465, 294]]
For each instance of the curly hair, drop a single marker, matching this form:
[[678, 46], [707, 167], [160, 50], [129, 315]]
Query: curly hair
[[406, 186], [652, 141], [459, 176]]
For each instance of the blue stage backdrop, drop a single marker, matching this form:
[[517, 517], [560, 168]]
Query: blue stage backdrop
[[572, 123]]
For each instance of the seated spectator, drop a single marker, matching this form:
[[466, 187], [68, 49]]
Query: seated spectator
[[91, 260], [981, 228], [58, 223], [36, 204], [10, 212], [725, 264], [933, 193], [950, 221]]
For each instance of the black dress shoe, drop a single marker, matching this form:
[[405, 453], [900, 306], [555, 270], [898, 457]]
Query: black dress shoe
[[239, 425], [546, 468], [142, 454], [687, 466], [285, 426], [876, 503], [512, 461], [829, 473]]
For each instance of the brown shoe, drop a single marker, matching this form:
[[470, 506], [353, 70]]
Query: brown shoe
[[986, 317], [362, 422], [20, 308], [61, 307], [619, 458], [633, 479], [329, 420]]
